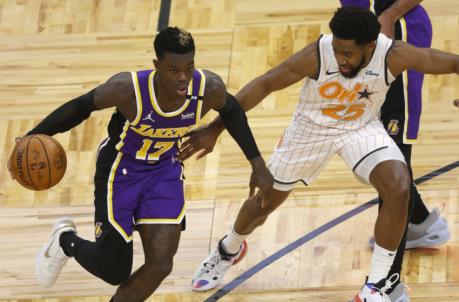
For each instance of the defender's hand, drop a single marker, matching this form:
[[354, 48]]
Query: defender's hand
[[456, 103], [261, 178], [202, 138]]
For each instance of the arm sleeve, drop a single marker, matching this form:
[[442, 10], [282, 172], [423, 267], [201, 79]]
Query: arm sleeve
[[67, 116], [235, 120]]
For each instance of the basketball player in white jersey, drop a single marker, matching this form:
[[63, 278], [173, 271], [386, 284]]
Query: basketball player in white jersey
[[347, 76]]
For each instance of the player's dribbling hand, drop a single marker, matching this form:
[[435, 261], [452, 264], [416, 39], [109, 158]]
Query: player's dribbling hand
[[456, 103], [201, 139], [9, 163], [261, 178]]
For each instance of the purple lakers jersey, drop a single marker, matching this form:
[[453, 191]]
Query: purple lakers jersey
[[154, 134]]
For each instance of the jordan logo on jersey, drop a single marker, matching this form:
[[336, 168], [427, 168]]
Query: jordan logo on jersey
[[352, 102], [148, 117]]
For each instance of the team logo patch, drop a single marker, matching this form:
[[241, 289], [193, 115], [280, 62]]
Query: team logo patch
[[98, 229], [369, 72], [392, 127], [148, 117], [187, 116]]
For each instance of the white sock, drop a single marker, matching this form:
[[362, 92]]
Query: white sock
[[381, 262], [232, 242]]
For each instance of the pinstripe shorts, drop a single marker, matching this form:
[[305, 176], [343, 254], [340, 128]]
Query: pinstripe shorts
[[295, 160]]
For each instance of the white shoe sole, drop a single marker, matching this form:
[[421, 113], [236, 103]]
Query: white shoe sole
[[432, 239]]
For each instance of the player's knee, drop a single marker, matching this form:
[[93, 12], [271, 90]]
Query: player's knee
[[116, 270], [398, 192], [165, 268], [160, 267], [402, 188], [116, 277]]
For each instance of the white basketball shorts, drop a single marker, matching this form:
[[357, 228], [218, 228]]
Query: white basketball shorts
[[295, 160]]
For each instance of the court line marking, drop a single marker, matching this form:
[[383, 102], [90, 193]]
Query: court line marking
[[164, 13]]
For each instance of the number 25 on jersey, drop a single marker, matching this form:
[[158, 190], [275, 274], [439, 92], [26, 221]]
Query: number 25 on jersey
[[347, 110]]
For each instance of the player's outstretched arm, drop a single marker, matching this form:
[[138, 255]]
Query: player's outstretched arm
[[295, 68], [115, 92], [404, 56]]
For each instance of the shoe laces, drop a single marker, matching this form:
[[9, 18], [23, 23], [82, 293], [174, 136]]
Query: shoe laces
[[216, 264], [389, 282], [387, 285]]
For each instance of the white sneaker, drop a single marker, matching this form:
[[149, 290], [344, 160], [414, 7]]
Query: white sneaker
[[213, 268], [400, 293], [376, 292], [51, 258], [431, 232]]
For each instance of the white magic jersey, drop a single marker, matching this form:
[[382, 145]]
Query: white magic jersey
[[337, 115], [338, 103]]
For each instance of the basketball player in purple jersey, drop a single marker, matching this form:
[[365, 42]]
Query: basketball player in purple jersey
[[408, 21], [139, 179], [346, 77]]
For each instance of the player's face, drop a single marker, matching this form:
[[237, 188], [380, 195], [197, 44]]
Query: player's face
[[351, 57], [175, 72]]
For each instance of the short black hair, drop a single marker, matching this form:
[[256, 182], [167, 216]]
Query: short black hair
[[173, 40], [352, 23]]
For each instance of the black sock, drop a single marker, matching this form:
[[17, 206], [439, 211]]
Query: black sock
[[420, 211], [69, 242]]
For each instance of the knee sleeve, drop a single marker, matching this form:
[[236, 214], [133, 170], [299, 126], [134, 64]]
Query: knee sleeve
[[116, 258]]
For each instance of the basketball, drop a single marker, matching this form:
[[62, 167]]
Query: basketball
[[38, 162]]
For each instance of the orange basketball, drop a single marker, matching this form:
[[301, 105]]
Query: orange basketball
[[38, 162]]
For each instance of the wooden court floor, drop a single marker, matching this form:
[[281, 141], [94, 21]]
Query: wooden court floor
[[54, 50]]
